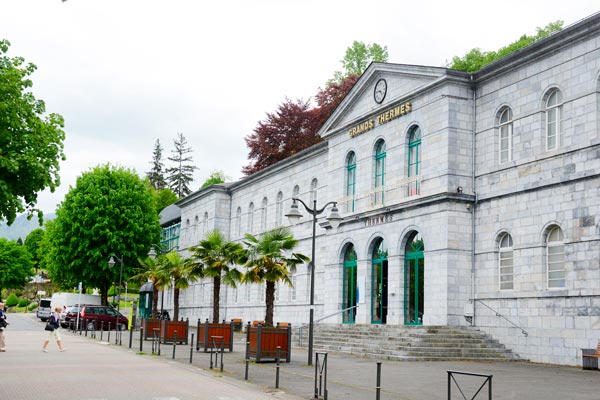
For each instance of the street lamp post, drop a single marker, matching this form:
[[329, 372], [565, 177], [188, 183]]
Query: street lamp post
[[334, 219], [111, 263]]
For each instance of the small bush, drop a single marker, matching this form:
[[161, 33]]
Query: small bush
[[32, 306], [23, 302], [12, 300]]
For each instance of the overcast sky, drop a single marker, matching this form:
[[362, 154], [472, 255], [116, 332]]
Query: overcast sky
[[125, 73]]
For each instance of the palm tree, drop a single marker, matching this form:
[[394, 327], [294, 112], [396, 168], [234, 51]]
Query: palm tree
[[151, 270], [268, 261], [177, 268], [215, 257]]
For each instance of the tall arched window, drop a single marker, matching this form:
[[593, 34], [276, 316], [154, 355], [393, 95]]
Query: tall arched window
[[379, 172], [350, 181], [379, 283], [555, 258], [279, 211], [414, 160], [263, 214], [505, 135], [313, 190], [205, 223], [238, 221], [505, 262], [250, 217], [349, 295], [296, 191], [553, 119]]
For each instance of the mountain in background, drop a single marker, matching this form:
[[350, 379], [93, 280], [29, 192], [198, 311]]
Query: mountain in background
[[22, 227]]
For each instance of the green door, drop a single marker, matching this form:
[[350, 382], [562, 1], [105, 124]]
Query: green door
[[379, 284], [349, 295], [414, 280]]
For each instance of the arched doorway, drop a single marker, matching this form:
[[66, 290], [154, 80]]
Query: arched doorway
[[379, 284], [414, 280], [350, 294]]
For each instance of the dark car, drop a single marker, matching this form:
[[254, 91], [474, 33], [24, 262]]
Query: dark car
[[68, 314], [102, 317]]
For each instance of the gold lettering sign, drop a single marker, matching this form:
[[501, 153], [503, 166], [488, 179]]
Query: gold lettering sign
[[383, 118]]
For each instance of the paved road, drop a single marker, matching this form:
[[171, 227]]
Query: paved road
[[92, 369]]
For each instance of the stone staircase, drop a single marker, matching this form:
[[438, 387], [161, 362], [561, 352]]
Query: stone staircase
[[407, 343]]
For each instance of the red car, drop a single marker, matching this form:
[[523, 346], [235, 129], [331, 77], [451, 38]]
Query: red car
[[102, 317]]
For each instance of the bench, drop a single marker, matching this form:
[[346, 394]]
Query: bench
[[590, 357], [237, 324]]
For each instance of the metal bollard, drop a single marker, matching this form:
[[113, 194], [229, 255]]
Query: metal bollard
[[277, 367], [130, 336], [108, 340], [378, 387], [191, 348], [141, 339], [247, 360], [174, 343]]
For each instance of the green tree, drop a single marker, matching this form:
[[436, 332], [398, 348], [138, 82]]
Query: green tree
[[357, 59], [268, 261], [33, 241], [178, 269], [156, 174], [216, 257], [182, 174], [162, 197], [109, 211], [151, 269], [16, 266], [214, 178], [476, 59], [31, 144]]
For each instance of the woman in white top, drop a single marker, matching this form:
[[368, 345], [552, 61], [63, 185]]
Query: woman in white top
[[54, 318]]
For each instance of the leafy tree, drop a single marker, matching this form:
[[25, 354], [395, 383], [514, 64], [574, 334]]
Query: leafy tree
[[181, 175], [214, 178], [33, 241], [109, 211], [358, 57], [329, 99], [216, 257], [152, 269], [156, 175], [162, 197], [267, 261], [178, 269], [476, 59], [16, 266], [31, 144]]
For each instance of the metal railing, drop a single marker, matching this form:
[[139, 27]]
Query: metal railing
[[498, 314], [301, 327]]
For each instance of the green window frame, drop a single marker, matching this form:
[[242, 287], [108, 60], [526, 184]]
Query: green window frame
[[379, 290], [414, 281], [350, 181], [380, 155], [350, 289], [414, 160], [169, 237]]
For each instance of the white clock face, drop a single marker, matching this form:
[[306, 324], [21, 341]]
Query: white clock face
[[380, 91]]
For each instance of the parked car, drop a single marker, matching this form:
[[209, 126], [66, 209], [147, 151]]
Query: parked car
[[99, 317], [68, 314], [44, 309]]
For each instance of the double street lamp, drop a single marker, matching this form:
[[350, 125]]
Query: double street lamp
[[334, 220], [111, 263]]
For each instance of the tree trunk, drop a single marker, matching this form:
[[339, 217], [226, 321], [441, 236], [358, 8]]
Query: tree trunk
[[270, 301], [104, 295], [154, 302], [216, 298], [176, 305]]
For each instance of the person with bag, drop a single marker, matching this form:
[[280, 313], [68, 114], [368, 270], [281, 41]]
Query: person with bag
[[52, 327], [3, 325]]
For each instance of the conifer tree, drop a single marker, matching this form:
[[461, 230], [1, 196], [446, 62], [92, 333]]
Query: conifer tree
[[181, 175], [156, 174]]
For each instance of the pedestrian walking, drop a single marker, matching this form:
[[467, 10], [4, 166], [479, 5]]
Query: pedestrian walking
[[52, 326], [2, 326]]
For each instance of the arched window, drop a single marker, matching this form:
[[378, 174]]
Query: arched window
[[379, 172], [263, 214], [414, 160], [296, 191], [205, 223], [279, 211], [238, 222], [505, 135], [313, 190], [555, 258], [553, 119], [505, 262], [250, 217], [350, 181], [350, 295]]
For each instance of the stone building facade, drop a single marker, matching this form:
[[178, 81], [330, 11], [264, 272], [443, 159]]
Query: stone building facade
[[467, 199]]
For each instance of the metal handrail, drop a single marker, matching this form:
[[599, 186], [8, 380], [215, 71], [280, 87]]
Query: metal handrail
[[301, 327], [523, 331]]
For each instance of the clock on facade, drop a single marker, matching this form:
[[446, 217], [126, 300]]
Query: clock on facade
[[380, 91]]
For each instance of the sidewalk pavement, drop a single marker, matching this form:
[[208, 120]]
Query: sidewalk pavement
[[123, 371]]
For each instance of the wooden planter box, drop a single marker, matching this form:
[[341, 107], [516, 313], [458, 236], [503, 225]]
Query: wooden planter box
[[207, 330], [149, 325], [168, 329], [264, 341]]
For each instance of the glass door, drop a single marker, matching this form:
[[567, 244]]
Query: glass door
[[350, 297], [379, 289], [414, 282]]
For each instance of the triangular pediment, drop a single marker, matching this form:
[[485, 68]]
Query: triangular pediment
[[401, 81]]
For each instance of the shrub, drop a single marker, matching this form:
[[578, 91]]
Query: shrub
[[12, 300], [32, 306], [23, 302]]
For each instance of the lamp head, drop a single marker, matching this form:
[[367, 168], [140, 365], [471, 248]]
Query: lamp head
[[111, 262], [152, 252], [334, 217], [293, 214]]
